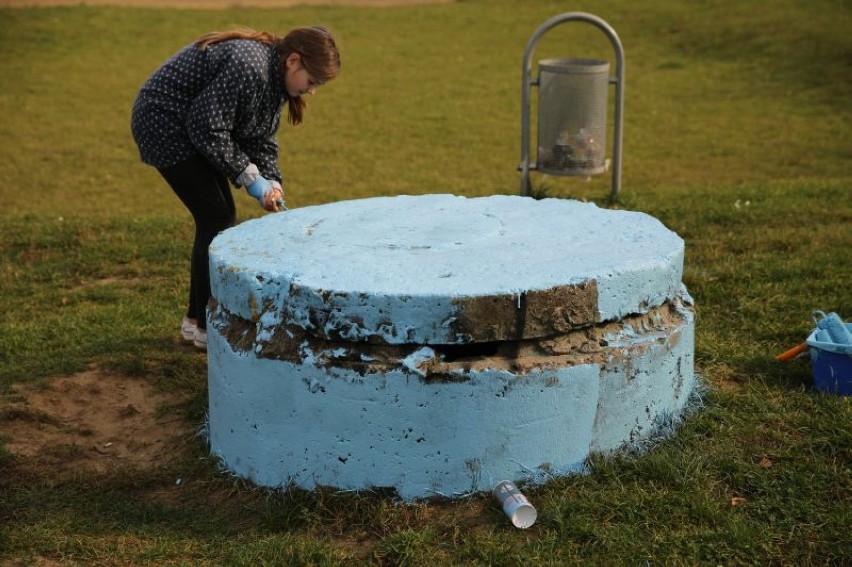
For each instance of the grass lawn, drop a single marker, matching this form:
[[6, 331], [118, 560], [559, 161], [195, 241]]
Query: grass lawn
[[736, 136]]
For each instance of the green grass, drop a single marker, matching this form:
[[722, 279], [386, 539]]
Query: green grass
[[736, 137]]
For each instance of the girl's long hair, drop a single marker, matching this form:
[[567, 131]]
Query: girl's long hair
[[315, 46]]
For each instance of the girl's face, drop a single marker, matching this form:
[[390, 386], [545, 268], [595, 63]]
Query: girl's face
[[297, 80]]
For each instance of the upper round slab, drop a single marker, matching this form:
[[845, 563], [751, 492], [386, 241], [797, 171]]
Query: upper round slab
[[442, 269]]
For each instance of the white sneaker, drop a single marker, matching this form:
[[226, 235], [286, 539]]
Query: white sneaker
[[200, 338], [187, 329]]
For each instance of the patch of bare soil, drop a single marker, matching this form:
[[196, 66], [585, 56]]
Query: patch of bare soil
[[92, 421]]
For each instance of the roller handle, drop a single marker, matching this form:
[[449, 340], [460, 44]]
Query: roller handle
[[792, 353]]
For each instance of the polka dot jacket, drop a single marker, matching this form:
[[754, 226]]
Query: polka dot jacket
[[223, 102]]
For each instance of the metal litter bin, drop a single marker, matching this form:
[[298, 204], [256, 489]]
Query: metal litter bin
[[572, 112]]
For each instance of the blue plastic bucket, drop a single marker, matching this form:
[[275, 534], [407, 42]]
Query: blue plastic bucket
[[831, 363]]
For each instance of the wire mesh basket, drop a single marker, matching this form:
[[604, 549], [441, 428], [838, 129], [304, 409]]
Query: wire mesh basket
[[572, 116]]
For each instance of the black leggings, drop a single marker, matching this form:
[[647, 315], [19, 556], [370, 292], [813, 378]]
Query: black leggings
[[207, 195]]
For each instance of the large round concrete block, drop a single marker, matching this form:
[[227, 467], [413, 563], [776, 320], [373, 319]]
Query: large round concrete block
[[439, 344]]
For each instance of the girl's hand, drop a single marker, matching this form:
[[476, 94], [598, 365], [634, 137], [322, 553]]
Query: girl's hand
[[269, 195], [271, 200]]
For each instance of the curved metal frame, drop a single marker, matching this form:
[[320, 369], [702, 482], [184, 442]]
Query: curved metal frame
[[527, 83]]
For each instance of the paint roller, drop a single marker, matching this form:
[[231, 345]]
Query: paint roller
[[831, 328]]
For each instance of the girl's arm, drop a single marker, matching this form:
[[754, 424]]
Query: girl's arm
[[263, 152], [216, 110]]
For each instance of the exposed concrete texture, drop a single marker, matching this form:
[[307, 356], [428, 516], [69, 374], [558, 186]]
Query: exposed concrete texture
[[450, 362], [440, 269]]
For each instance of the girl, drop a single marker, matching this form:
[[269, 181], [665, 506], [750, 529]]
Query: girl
[[210, 114]]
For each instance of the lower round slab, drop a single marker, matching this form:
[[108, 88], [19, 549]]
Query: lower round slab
[[441, 420]]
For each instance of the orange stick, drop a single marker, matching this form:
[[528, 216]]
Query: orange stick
[[792, 353]]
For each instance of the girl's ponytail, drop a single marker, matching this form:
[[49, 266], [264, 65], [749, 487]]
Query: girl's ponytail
[[295, 110], [243, 33]]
